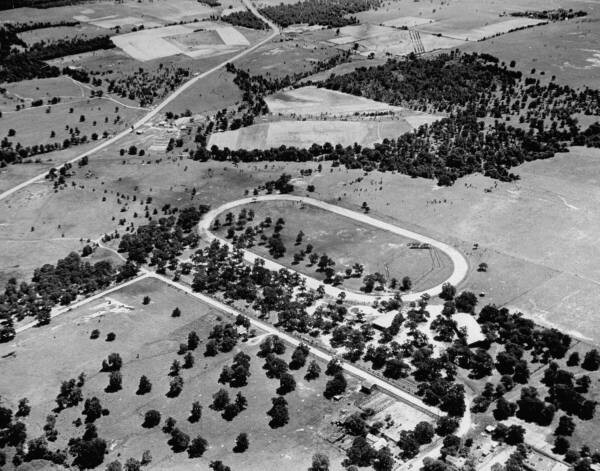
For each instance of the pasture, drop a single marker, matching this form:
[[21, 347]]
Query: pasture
[[536, 234], [147, 338], [99, 115], [303, 134], [347, 242], [312, 101]]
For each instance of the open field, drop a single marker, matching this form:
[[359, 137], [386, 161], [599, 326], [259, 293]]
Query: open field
[[303, 134], [348, 242], [24, 92], [99, 114], [313, 101], [61, 32], [568, 50], [538, 236], [454, 28], [147, 338], [289, 55], [383, 40], [195, 41]]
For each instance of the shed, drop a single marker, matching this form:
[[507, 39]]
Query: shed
[[471, 326], [367, 386], [385, 320]]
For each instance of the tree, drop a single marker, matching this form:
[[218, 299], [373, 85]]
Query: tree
[[383, 460], [241, 443], [521, 372], [423, 432], [179, 440], [504, 409], [278, 413], [132, 465], [188, 360], [561, 445], [446, 425], [193, 340], [591, 361], [218, 464], [566, 426], [287, 384], [176, 312], [313, 371], [335, 386], [175, 387], [196, 413], [220, 399], [515, 435], [23, 408], [573, 359], [145, 386], [151, 419], [320, 462], [448, 292], [465, 301], [92, 409], [88, 453], [360, 453], [197, 447], [406, 283], [240, 401], [115, 381]]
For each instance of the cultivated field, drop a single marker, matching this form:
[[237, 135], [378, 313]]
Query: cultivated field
[[303, 134], [195, 41], [147, 338], [348, 242]]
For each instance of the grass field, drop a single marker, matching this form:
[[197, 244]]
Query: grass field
[[347, 242], [312, 101], [568, 50], [99, 116], [538, 232], [303, 134], [147, 338]]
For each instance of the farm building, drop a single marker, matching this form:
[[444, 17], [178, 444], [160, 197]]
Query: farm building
[[385, 320], [377, 443], [367, 386], [472, 327]]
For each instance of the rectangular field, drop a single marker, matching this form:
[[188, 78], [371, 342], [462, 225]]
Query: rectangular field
[[194, 42], [303, 134]]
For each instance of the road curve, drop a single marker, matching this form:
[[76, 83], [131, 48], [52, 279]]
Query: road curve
[[151, 114], [461, 266]]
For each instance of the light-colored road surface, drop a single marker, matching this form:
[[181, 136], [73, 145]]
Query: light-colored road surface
[[151, 114], [460, 270]]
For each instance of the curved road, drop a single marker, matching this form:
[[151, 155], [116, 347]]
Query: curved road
[[151, 114], [461, 266]]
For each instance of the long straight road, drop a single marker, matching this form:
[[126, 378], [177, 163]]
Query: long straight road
[[460, 264], [157, 109]]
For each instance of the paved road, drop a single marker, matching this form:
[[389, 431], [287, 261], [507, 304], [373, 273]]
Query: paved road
[[151, 114], [461, 266]]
